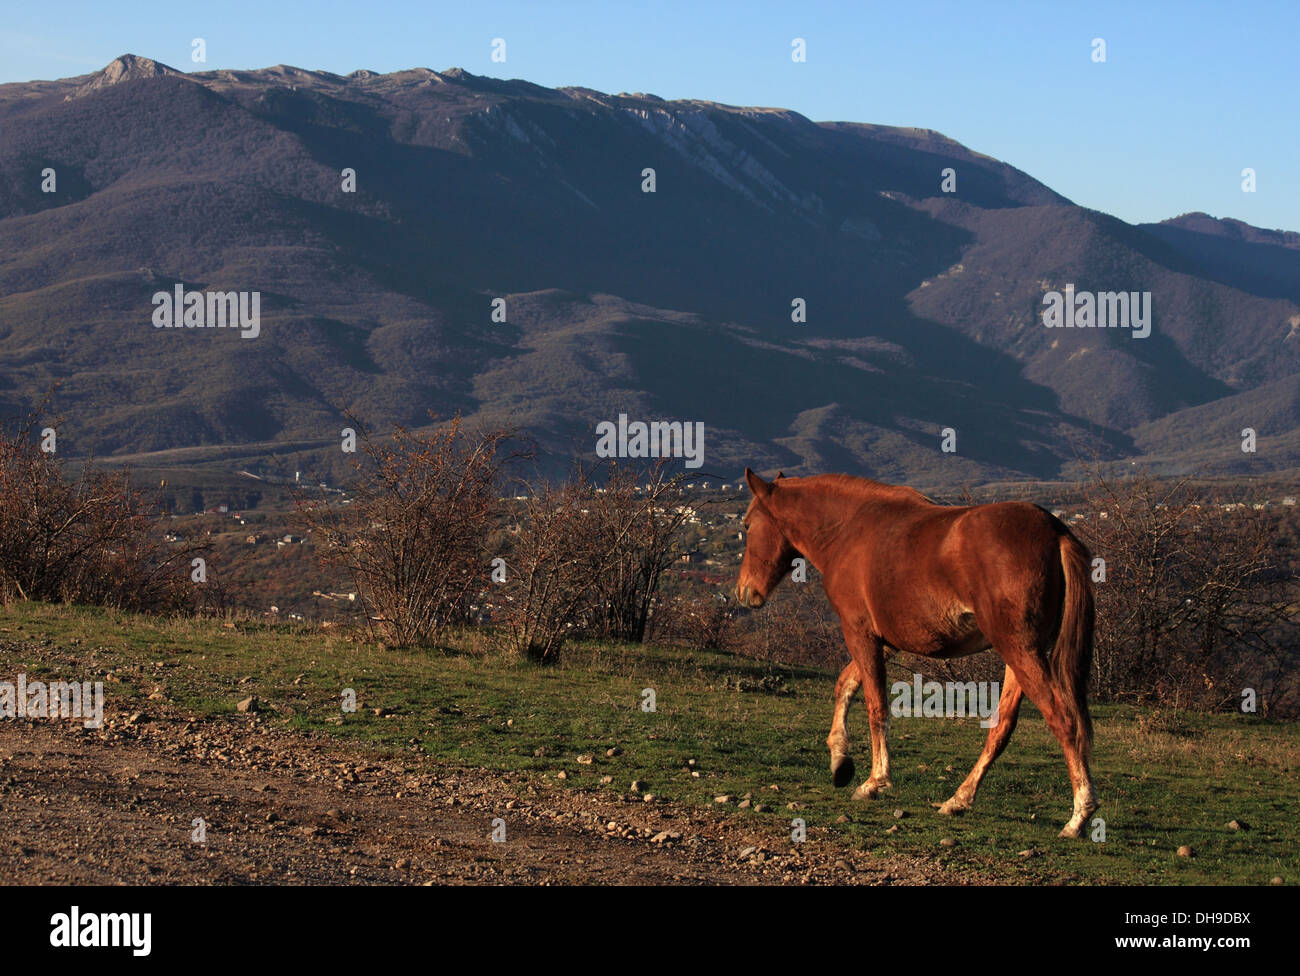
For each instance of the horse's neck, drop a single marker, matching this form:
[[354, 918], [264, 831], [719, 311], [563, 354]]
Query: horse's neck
[[814, 518]]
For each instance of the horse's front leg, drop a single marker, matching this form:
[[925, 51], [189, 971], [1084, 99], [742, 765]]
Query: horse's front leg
[[868, 653], [842, 767]]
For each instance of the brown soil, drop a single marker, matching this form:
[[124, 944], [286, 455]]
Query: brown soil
[[116, 806]]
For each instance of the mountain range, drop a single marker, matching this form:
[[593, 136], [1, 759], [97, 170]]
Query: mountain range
[[923, 302]]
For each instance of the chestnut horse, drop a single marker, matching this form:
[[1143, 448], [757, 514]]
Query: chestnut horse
[[939, 581]]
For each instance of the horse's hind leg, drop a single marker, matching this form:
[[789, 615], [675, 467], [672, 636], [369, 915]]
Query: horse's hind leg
[[842, 767], [1031, 671], [999, 734]]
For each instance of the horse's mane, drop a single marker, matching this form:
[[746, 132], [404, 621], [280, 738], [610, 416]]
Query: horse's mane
[[851, 486]]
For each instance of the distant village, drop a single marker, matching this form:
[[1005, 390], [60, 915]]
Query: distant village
[[712, 545]]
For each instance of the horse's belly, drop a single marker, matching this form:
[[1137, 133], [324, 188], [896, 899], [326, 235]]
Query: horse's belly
[[970, 642], [956, 637]]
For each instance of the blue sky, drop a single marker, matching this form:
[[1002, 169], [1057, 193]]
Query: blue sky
[[1191, 92]]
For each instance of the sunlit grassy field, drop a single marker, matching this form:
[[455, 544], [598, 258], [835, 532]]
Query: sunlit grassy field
[[1165, 780]]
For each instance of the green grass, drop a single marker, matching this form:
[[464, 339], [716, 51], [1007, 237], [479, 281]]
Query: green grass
[[1162, 784]]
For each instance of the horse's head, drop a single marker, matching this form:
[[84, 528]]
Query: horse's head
[[768, 553]]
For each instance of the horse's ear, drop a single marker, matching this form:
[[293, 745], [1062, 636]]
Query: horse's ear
[[779, 476], [757, 485]]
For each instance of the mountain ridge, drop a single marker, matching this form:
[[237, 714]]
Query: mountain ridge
[[922, 306]]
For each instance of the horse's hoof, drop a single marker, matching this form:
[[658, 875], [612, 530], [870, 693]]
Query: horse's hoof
[[869, 790], [842, 772], [953, 807], [1085, 806]]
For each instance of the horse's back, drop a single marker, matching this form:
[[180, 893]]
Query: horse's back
[[939, 575], [938, 538]]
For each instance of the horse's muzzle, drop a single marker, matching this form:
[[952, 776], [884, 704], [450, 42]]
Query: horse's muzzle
[[749, 597]]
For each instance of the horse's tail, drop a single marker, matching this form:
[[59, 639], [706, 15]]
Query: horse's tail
[[1072, 658]]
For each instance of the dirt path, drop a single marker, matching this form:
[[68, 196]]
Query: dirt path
[[117, 805]]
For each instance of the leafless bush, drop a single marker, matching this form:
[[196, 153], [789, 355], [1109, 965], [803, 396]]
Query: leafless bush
[[796, 626], [699, 619], [84, 539], [985, 666], [1196, 604], [588, 559], [640, 532], [414, 538], [550, 571]]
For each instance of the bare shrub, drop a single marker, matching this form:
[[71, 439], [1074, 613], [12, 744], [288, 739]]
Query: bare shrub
[[638, 531], [88, 538], [985, 666], [705, 620], [550, 571], [796, 626], [588, 559], [414, 538], [1196, 604]]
